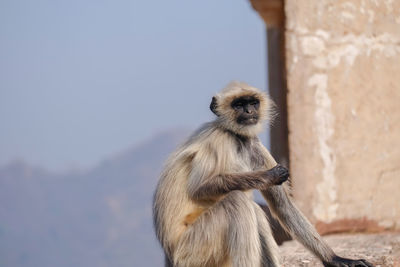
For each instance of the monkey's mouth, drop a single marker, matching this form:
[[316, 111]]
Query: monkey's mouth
[[248, 120]]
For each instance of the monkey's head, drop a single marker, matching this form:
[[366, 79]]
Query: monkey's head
[[241, 108]]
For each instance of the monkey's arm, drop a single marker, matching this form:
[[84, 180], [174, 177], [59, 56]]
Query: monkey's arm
[[221, 184], [297, 224]]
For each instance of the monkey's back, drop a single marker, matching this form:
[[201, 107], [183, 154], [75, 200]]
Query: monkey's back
[[172, 204]]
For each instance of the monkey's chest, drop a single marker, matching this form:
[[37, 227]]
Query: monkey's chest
[[249, 160], [249, 155]]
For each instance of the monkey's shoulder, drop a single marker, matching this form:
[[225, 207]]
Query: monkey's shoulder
[[212, 145], [229, 147]]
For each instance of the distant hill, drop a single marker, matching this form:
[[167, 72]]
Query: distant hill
[[100, 217]]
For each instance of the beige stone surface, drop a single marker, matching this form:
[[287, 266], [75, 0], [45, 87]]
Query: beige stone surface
[[379, 249], [343, 70]]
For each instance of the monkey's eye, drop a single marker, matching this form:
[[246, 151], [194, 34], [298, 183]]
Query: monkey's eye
[[237, 105], [254, 102]]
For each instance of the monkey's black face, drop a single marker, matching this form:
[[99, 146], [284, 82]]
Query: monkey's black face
[[246, 108]]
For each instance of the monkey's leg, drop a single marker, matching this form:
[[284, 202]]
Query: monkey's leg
[[228, 230], [269, 248]]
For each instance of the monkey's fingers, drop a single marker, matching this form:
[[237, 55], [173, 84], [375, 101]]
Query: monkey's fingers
[[365, 263], [343, 262], [282, 180], [280, 173]]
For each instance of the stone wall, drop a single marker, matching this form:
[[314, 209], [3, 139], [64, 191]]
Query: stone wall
[[343, 74]]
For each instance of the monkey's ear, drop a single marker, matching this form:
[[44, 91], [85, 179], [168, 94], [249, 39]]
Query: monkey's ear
[[213, 105]]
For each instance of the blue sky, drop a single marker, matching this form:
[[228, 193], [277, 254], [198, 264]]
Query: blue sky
[[81, 80]]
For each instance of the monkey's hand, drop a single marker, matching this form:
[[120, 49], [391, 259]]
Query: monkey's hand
[[343, 262], [278, 174]]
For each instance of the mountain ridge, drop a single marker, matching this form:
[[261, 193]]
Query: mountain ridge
[[98, 217]]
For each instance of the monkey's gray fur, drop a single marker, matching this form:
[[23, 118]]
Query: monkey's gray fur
[[204, 214]]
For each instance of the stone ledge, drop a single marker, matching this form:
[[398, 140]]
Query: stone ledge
[[380, 249]]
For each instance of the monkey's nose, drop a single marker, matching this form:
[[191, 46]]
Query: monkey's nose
[[249, 110]]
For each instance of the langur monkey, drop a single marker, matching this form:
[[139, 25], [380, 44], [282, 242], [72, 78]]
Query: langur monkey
[[204, 214]]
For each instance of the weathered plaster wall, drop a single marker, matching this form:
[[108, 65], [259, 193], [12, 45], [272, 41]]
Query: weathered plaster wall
[[343, 70]]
